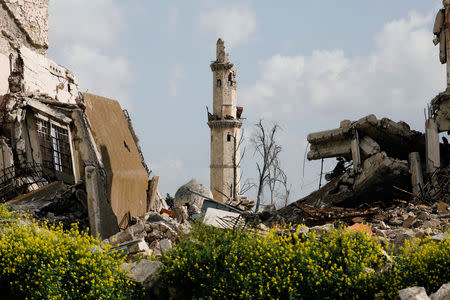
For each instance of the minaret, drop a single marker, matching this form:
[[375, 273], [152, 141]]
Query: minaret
[[225, 127]]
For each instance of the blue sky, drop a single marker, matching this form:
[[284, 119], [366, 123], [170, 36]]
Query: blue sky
[[303, 64]]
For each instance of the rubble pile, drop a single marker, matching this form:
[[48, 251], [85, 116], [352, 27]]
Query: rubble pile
[[378, 151], [392, 225], [151, 235], [55, 203], [417, 292], [438, 187]]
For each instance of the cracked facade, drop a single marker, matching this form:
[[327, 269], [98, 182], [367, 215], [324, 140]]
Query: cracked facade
[[50, 132]]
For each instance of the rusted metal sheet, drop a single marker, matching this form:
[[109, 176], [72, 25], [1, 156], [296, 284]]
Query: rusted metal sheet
[[127, 179]]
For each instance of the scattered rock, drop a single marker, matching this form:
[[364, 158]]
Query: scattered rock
[[442, 207], [442, 294], [145, 272], [165, 245], [413, 293]]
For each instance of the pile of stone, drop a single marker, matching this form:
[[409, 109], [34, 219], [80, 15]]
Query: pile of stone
[[393, 225], [152, 235], [398, 224], [55, 203], [419, 293]]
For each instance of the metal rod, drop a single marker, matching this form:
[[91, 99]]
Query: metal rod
[[321, 173]]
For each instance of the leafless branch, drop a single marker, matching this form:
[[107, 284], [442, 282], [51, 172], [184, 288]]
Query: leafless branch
[[264, 142]]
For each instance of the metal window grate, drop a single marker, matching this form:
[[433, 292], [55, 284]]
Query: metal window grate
[[55, 147], [21, 179]]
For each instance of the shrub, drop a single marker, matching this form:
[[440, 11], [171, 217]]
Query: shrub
[[46, 262], [5, 213], [420, 263], [239, 264]]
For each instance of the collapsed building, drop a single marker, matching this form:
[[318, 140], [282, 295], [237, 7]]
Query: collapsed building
[[60, 145], [377, 152], [394, 178]]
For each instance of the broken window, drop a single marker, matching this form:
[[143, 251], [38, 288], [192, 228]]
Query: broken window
[[55, 146], [219, 83]]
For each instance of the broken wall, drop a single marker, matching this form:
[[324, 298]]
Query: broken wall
[[127, 178], [31, 16]]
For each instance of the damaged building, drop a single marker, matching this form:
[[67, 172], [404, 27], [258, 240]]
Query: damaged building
[[58, 144], [373, 159], [383, 163]]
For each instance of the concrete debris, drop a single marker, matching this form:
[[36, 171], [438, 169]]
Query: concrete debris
[[55, 203], [379, 151], [413, 293], [223, 219], [157, 231], [442, 294], [393, 225], [146, 273], [396, 139], [420, 293], [242, 202]]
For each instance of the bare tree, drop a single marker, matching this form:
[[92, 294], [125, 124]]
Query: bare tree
[[284, 196], [265, 145], [273, 179]]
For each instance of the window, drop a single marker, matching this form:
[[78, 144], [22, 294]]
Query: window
[[228, 137], [55, 147], [230, 79], [219, 83]]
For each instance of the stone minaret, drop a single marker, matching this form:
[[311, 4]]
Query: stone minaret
[[225, 127]]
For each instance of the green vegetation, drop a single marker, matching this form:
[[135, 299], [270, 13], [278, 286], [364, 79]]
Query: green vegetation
[[46, 262], [340, 264], [41, 261]]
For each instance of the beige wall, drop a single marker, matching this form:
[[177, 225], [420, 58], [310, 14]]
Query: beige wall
[[4, 74], [127, 177]]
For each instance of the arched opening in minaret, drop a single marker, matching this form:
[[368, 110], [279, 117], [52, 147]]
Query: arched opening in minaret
[[230, 79], [219, 83]]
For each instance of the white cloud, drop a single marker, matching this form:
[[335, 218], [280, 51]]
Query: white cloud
[[173, 17], [98, 23], [174, 172], [176, 75], [99, 73], [397, 79], [233, 24], [83, 34]]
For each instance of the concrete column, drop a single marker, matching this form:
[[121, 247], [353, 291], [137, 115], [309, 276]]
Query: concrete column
[[415, 168], [433, 155], [152, 193], [446, 4], [356, 154], [93, 199]]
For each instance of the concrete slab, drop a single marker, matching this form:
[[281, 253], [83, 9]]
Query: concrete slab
[[127, 179], [221, 218]]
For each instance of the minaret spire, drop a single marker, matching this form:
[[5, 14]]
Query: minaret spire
[[225, 124]]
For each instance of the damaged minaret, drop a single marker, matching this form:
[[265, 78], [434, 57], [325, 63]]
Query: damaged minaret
[[225, 124]]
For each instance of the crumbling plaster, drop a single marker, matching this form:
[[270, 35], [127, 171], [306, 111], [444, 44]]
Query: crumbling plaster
[[31, 16]]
